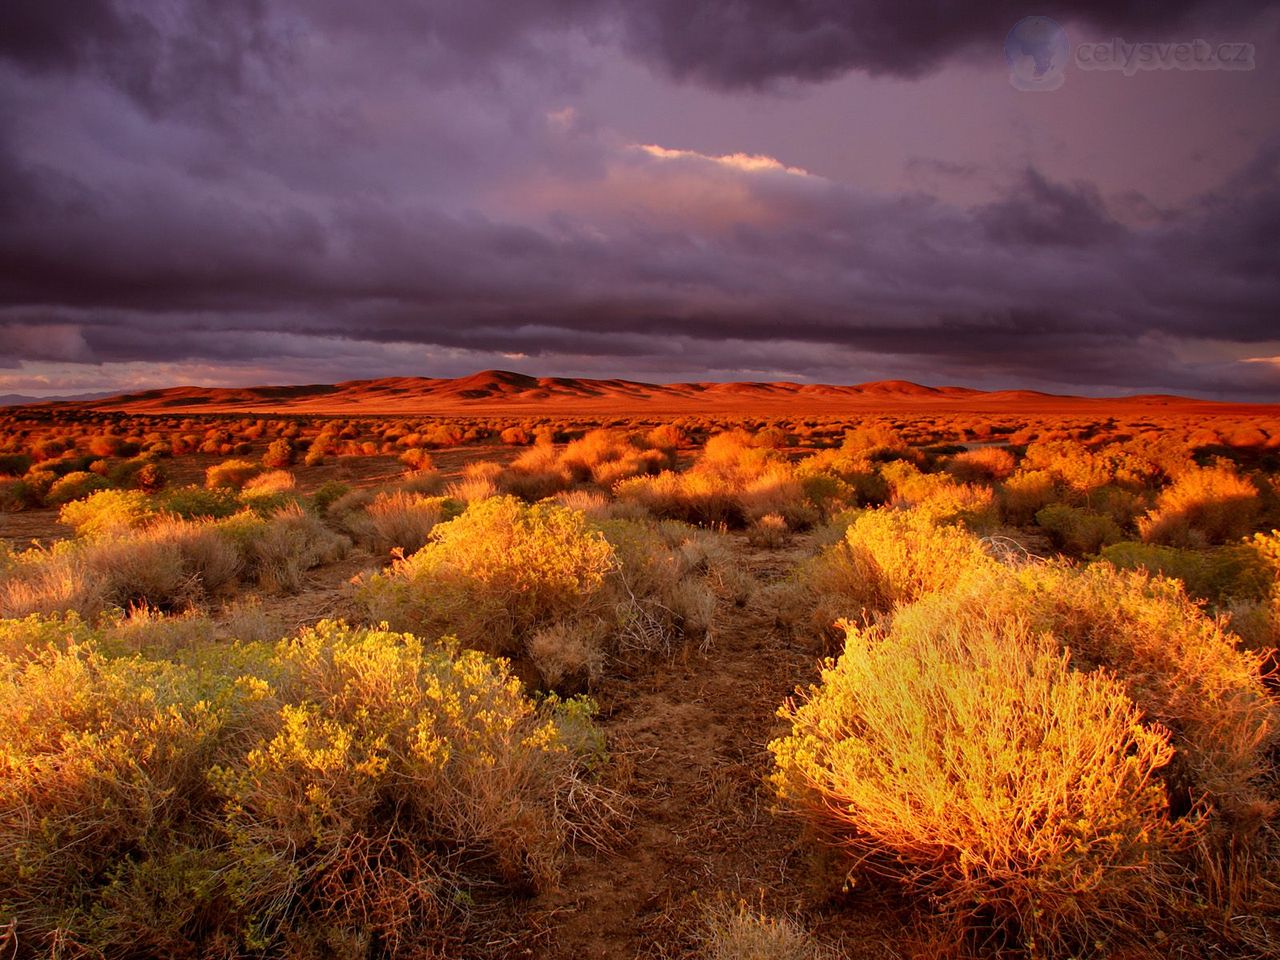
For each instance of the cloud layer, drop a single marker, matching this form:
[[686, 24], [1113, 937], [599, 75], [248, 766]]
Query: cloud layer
[[266, 188]]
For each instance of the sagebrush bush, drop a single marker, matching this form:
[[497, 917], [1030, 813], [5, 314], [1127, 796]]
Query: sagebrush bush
[[1076, 530], [480, 779], [981, 465], [197, 503], [496, 571], [280, 453], [341, 794], [108, 513], [504, 572], [1202, 507], [233, 474], [885, 557], [971, 763], [403, 521], [939, 496], [74, 486], [737, 479], [1178, 664], [104, 799]]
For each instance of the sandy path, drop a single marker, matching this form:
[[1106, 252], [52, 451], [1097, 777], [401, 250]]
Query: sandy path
[[696, 730]]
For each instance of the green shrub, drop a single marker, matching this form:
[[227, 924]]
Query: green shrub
[[74, 486], [196, 503], [327, 494], [14, 464], [108, 513], [1220, 574], [1076, 530]]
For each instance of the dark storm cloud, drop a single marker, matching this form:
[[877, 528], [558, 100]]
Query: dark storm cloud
[[734, 43], [191, 181], [1042, 284], [159, 52]]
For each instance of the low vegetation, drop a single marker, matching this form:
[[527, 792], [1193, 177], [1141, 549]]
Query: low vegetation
[[1044, 722], [347, 791], [544, 584]]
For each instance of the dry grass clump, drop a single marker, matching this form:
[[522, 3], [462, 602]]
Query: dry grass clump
[[769, 531], [970, 762], [169, 564], [744, 933], [403, 521], [479, 482], [346, 796], [505, 572], [288, 544], [233, 474], [1201, 507]]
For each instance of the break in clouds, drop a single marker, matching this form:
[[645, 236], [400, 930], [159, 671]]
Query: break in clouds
[[270, 190]]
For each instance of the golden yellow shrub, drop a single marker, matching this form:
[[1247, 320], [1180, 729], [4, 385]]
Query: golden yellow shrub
[[974, 765], [1202, 506]]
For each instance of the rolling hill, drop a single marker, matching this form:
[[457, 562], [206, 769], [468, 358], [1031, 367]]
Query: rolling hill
[[492, 392]]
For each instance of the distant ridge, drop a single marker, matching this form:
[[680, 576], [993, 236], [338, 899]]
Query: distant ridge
[[23, 400], [504, 391]]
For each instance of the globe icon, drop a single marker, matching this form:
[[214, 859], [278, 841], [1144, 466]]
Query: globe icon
[[1037, 51]]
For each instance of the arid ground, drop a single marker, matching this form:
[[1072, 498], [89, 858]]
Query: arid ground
[[736, 671]]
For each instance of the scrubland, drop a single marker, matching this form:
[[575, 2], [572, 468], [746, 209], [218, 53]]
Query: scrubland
[[937, 687]]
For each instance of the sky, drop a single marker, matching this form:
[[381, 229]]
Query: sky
[[235, 192]]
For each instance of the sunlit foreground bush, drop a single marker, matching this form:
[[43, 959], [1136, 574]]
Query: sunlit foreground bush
[[345, 793], [974, 765], [1034, 745], [545, 584]]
